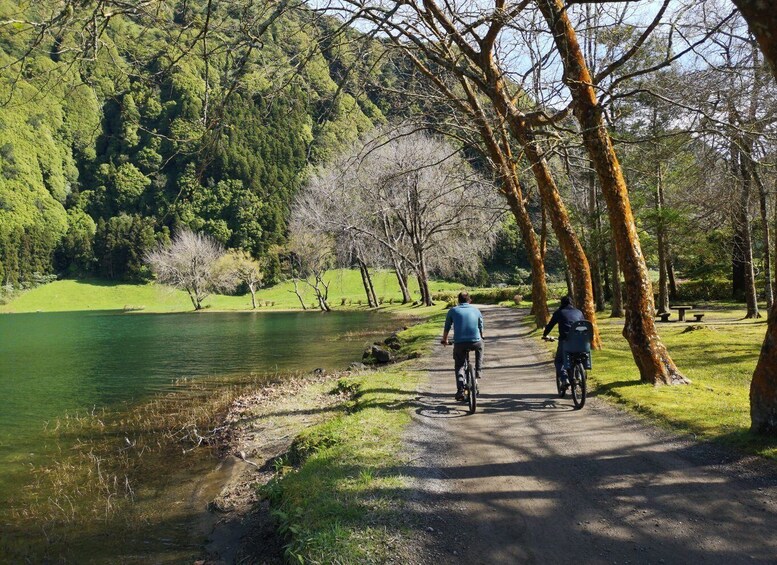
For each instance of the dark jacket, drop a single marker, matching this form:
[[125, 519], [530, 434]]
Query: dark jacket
[[564, 317]]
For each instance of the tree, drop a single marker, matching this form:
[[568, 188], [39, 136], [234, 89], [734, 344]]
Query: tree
[[312, 255], [650, 355], [248, 270], [193, 262], [413, 196]]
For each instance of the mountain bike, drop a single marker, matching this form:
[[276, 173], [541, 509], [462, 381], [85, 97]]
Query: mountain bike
[[577, 361], [470, 385], [471, 390]]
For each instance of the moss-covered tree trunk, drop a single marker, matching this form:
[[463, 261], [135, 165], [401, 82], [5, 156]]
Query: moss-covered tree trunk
[[763, 387], [650, 355], [500, 153], [521, 130], [763, 203], [761, 17], [577, 262], [743, 227], [594, 243], [617, 291], [663, 276]]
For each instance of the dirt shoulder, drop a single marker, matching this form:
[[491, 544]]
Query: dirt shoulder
[[261, 427], [527, 479]]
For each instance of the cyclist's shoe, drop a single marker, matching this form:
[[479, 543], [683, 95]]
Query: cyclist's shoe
[[460, 395], [479, 375]]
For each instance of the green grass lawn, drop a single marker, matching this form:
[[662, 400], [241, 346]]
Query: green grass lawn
[[345, 290], [337, 494], [719, 359]]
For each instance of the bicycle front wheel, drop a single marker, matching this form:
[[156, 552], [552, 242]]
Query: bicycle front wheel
[[473, 390], [578, 385]]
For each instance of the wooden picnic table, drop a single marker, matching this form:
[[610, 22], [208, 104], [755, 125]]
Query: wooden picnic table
[[681, 311]]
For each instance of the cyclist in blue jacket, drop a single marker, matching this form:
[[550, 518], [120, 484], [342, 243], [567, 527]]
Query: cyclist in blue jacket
[[467, 322]]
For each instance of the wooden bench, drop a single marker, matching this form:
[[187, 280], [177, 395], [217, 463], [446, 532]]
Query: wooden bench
[[698, 317], [664, 316]]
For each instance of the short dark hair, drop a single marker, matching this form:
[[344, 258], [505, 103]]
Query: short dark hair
[[463, 297], [567, 301]]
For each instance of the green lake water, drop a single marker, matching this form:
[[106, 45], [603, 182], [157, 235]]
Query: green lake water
[[52, 364]]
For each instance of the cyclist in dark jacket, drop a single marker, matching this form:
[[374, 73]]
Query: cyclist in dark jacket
[[565, 316]]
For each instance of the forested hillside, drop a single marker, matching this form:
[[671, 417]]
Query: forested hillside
[[112, 137]]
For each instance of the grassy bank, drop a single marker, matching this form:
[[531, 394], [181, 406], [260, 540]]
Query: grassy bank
[[346, 291], [719, 358], [337, 492]]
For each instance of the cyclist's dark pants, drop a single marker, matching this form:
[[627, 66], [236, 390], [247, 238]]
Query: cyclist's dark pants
[[559, 360], [460, 353]]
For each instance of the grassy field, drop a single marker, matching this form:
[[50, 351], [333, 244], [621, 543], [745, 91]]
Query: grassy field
[[719, 358], [346, 290], [337, 493]]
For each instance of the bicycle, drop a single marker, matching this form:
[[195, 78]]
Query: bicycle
[[471, 390], [577, 361], [470, 385]]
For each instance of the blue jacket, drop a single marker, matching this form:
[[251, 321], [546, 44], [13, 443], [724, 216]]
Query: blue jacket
[[467, 322]]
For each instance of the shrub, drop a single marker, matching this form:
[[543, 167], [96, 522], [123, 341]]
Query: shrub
[[517, 299], [704, 289]]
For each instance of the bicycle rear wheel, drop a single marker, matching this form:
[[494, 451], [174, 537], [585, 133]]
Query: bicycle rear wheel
[[578, 385], [472, 385]]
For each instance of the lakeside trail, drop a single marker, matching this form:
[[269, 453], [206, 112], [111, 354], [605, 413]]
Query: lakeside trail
[[527, 479]]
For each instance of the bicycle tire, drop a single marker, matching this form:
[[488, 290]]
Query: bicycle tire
[[472, 385], [578, 385]]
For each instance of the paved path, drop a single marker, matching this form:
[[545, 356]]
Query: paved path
[[529, 480]]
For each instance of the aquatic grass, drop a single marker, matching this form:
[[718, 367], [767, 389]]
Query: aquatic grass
[[106, 461]]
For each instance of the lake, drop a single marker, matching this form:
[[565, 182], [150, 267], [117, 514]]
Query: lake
[[52, 364]]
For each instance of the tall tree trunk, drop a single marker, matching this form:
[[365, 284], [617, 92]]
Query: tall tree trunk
[[500, 153], [370, 285], [366, 284], [579, 268], [401, 273], [423, 285], [670, 274], [252, 290], [577, 261], [617, 292], [297, 292], [763, 200], [763, 387], [743, 224], [663, 278], [539, 288], [514, 194], [595, 241], [650, 355], [570, 284], [761, 17]]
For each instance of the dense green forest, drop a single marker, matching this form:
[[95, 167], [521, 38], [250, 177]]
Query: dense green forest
[[103, 154]]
